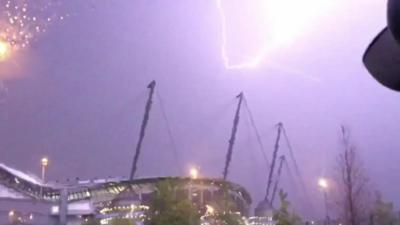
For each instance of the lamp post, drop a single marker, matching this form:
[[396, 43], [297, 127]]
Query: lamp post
[[5, 54], [323, 184], [194, 174], [12, 217], [44, 163]]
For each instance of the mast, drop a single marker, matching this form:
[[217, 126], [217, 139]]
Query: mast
[[146, 116], [233, 136], [282, 160], [271, 171]]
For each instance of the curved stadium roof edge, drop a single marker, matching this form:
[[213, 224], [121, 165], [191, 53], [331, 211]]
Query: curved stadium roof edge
[[29, 185]]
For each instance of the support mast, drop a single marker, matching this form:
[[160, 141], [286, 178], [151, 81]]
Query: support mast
[[233, 136], [149, 102], [278, 177], [274, 156]]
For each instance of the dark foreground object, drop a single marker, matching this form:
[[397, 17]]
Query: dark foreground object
[[382, 58]]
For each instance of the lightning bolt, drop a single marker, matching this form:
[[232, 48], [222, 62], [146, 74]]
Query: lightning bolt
[[248, 64], [284, 23]]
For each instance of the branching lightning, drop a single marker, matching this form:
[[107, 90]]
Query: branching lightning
[[251, 63], [283, 21]]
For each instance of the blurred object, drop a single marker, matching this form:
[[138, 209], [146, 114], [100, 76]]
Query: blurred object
[[382, 57], [394, 18]]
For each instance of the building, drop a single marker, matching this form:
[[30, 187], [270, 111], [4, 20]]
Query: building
[[29, 199]]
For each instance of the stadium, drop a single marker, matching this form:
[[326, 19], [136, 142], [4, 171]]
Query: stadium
[[103, 199]]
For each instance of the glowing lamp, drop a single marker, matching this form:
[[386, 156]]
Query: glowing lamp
[[210, 210], [194, 173], [5, 50], [323, 183], [45, 161]]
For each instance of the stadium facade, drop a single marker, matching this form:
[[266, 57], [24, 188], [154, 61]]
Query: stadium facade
[[27, 199]]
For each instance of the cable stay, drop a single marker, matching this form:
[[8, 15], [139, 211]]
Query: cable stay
[[265, 206], [296, 168], [290, 174], [289, 146], [258, 136], [170, 134]]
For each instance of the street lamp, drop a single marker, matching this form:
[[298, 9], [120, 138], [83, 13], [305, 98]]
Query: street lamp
[[194, 173], [44, 163], [5, 52], [12, 217], [324, 185]]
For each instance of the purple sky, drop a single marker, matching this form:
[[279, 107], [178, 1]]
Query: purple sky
[[82, 96]]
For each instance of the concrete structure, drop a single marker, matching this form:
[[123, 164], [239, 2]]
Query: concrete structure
[[71, 204]]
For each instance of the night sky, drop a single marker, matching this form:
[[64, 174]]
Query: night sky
[[76, 94]]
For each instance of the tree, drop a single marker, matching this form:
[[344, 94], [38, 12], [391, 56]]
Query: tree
[[223, 202], [15, 221], [230, 219], [383, 212], [352, 184], [224, 208], [282, 216], [91, 221], [122, 221], [168, 207]]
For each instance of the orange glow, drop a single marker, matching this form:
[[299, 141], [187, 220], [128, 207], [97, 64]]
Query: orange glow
[[5, 50]]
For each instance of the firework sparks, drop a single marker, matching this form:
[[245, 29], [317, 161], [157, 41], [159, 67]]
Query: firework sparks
[[22, 21]]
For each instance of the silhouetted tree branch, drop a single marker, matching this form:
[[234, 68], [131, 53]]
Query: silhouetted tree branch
[[353, 199], [383, 212]]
